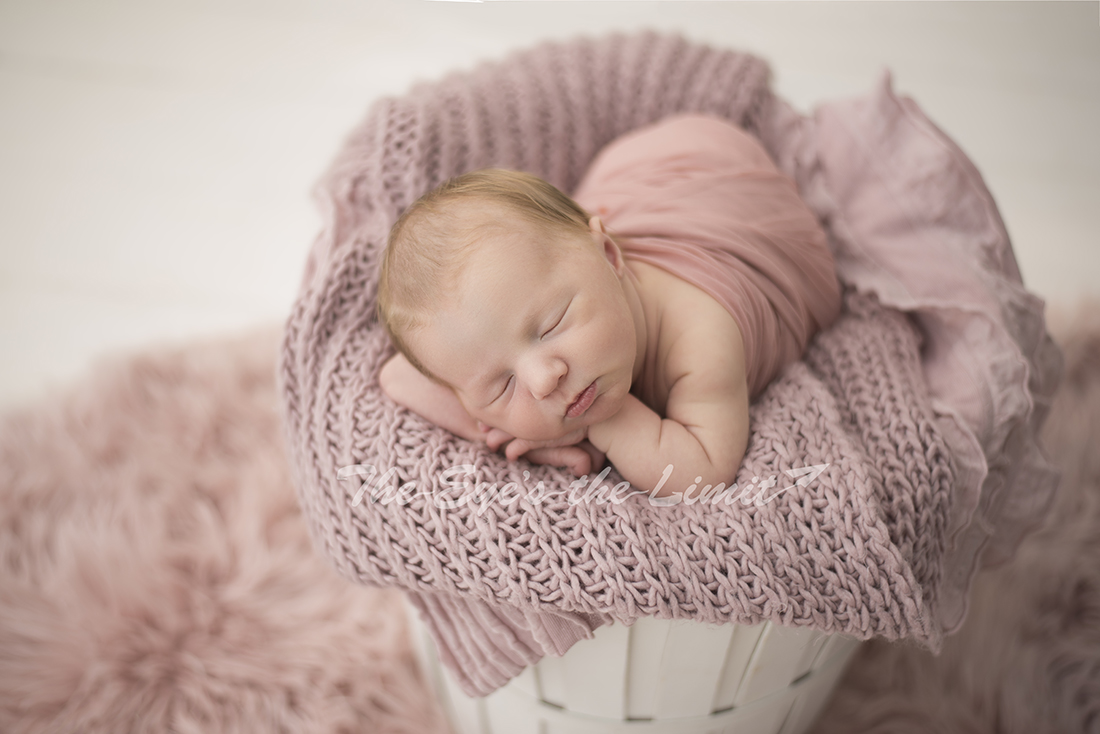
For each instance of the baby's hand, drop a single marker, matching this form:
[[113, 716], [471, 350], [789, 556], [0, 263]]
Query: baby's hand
[[494, 436], [580, 459], [517, 447], [571, 451]]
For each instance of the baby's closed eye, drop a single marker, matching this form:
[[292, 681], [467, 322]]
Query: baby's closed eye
[[557, 321], [504, 390], [550, 330]]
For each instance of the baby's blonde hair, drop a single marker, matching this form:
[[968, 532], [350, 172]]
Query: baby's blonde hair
[[429, 243]]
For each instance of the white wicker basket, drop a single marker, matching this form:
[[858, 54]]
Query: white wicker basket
[[657, 677]]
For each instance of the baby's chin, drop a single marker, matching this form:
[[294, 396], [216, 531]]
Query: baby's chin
[[543, 433], [546, 435]]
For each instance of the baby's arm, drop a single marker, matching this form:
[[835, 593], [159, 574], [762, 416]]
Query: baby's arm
[[705, 431], [703, 438], [405, 385]]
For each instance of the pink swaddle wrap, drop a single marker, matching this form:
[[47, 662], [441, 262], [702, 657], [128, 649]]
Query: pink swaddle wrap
[[700, 198]]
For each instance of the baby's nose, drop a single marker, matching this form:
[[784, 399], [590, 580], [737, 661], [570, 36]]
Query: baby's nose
[[546, 377]]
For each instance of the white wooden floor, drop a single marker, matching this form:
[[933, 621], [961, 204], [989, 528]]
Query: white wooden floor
[[156, 157]]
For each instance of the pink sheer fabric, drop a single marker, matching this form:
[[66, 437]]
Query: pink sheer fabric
[[700, 198]]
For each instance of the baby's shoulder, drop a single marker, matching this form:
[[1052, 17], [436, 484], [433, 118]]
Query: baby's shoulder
[[695, 333], [698, 376]]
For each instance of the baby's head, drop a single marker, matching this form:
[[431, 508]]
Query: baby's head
[[431, 244], [501, 288]]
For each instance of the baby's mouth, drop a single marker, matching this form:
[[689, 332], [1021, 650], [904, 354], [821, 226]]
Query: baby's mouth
[[582, 402]]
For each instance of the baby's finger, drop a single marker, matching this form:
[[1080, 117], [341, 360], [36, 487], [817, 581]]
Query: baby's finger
[[568, 457], [578, 460], [497, 438], [517, 448], [598, 457]]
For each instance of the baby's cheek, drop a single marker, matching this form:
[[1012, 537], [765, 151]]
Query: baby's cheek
[[507, 421], [532, 426]]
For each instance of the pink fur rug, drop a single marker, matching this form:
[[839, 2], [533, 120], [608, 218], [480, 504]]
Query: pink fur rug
[[155, 575]]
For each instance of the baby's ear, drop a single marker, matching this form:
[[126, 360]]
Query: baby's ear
[[611, 249]]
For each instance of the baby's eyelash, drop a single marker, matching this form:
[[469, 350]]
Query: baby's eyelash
[[560, 319], [510, 378]]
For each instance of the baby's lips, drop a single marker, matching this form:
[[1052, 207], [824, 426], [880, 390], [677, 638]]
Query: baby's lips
[[484, 428]]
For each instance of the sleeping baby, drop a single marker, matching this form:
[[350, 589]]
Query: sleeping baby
[[632, 322]]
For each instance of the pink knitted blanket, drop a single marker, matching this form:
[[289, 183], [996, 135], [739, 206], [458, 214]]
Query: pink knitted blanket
[[879, 468]]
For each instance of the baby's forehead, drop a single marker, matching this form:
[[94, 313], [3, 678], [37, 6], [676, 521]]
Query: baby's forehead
[[476, 226], [483, 212]]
